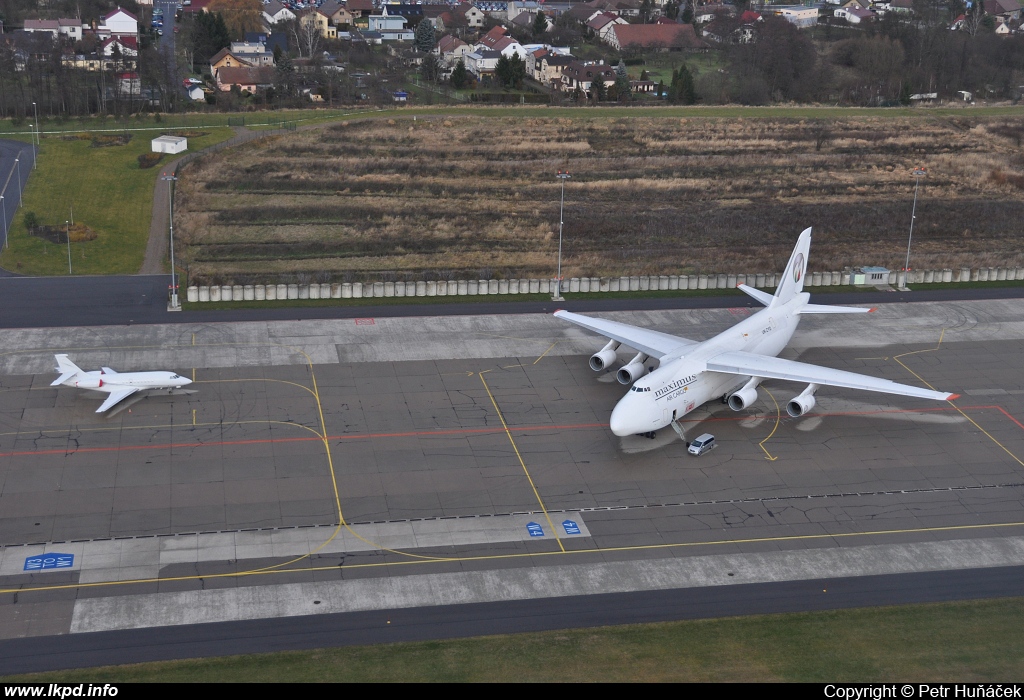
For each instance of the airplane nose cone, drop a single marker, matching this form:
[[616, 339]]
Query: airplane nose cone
[[633, 416], [630, 417]]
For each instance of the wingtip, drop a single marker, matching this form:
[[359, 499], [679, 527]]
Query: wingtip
[[953, 397], [873, 309]]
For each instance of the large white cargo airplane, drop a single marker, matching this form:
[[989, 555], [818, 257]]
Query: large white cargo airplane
[[120, 385], [731, 364]]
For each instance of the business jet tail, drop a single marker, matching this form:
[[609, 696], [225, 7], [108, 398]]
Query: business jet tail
[[67, 369]]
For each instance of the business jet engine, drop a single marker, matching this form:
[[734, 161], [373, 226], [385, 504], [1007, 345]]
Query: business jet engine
[[89, 383], [803, 403], [604, 357], [632, 371]]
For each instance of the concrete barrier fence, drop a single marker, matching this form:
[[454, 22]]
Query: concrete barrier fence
[[575, 285]]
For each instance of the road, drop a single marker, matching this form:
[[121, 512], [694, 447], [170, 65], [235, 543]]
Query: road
[[37, 654], [55, 302], [16, 160]]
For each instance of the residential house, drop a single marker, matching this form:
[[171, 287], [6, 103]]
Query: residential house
[[854, 14], [797, 15], [121, 23], [550, 68], [665, 37], [470, 14], [482, 62], [124, 47], [314, 17], [450, 49], [440, 16], [602, 24], [581, 75], [48, 26], [902, 7], [360, 11], [338, 13], [708, 13], [275, 12], [225, 59], [247, 79], [253, 53], [1005, 10]]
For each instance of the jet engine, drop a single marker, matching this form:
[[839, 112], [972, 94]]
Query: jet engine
[[742, 398], [89, 383], [803, 403], [632, 371], [747, 395], [604, 357]]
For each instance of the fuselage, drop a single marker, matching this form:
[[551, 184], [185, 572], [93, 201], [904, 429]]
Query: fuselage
[[681, 384], [103, 381]]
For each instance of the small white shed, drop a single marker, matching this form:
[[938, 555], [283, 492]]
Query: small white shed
[[169, 144]]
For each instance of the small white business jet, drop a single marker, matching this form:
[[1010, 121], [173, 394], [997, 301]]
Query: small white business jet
[[120, 385], [730, 365]]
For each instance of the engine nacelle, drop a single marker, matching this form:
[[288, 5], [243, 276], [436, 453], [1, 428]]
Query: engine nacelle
[[89, 383], [743, 398], [803, 403], [632, 371], [604, 357]]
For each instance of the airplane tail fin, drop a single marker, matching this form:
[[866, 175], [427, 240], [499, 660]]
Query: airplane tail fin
[[67, 369], [793, 277]]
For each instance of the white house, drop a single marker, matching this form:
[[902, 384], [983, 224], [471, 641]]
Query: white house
[[120, 23], [276, 12], [169, 144]]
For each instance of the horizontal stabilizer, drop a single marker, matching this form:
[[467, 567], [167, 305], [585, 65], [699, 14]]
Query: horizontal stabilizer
[[763, 297], [63, 378], [826, 309]]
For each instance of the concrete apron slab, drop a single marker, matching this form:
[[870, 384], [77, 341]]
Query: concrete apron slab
[[130, 559], [287, 600]]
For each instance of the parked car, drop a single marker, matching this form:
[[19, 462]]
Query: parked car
[[702, 444]]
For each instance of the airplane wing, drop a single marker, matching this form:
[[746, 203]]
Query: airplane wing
[[766, 367], [649, 342], [116, 396]]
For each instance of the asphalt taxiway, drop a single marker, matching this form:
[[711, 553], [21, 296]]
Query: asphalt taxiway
[[349, 466]]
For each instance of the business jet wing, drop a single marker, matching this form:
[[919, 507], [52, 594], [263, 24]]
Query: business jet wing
[[117, 395], [766, 367], [651, 343]]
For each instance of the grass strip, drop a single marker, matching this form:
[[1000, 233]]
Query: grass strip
[[103, 188], [973, 641]]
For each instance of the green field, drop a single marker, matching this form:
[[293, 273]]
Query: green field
[[970, 641], [103, 188]]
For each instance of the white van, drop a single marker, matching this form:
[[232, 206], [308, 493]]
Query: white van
[[702, 444]]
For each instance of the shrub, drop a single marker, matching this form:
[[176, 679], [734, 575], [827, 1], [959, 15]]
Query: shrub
[[148, 160]]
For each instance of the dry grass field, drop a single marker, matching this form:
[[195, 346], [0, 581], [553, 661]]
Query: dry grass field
[[452, 197]]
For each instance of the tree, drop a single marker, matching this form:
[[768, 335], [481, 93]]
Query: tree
[[424, 38], [430, 68], [540, 24], [459, 77], [240, 16], [510, 72]]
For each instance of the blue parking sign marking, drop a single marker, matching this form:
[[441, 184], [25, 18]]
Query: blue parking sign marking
[[50, 560], [535, 530], [571, 528]]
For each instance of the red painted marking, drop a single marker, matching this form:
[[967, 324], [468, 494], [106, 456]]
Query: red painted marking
[[469, 431], [365, 322], [953, 397], [739, 311]]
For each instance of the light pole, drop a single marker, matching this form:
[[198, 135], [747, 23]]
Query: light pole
[[67, 232], [918, 174], [173, 305], [3, 209], [17, 162], [563, 175], [36, 141]]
